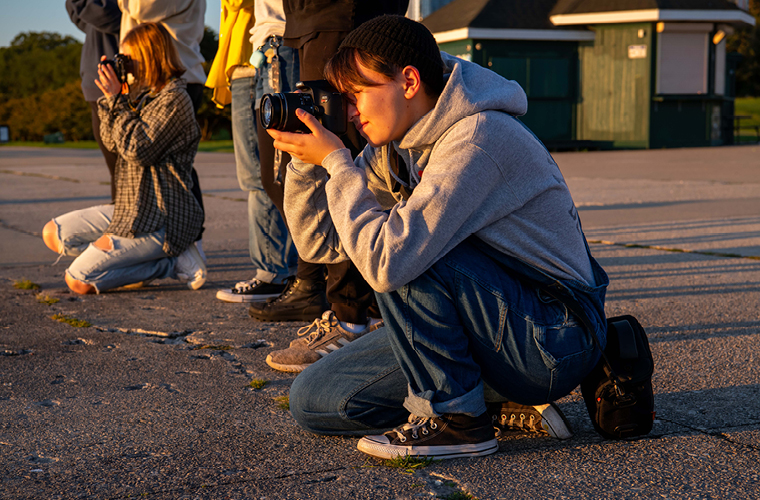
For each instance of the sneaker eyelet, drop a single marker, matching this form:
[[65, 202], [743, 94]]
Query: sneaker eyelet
[[433, 425], [402, 439], [414, 435], [425, 432]]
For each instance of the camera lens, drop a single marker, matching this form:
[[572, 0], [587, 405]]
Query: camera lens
[[272, 111]]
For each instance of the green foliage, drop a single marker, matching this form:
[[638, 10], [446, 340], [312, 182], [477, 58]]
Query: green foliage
[[38, 62], [746, 41], [211, 118], [47, 299], [258, 383], [63, 110], [283, 402], [76, 323], [40, 90], [25, 285], [459, 495], [408, 463]]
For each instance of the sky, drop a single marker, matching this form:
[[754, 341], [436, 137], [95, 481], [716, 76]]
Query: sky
[[50, 15]]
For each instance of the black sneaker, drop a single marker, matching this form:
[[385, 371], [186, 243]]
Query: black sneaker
[[542, 419], [250, 291], [301, 300], [448, 436]]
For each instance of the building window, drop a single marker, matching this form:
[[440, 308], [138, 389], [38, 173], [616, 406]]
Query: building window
[[682, 58]]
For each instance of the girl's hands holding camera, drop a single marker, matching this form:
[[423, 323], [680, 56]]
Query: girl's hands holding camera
[[309, 148], [107, 81]]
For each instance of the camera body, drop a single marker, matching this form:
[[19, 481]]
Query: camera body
[[121, 65], [317, 97]]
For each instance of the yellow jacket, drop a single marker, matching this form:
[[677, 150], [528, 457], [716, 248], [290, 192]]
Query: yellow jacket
[[234, 48]]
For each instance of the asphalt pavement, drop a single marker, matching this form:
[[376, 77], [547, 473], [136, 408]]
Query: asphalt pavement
[[155, 398]]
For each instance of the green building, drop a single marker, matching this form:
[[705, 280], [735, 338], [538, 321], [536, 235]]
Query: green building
[[606, 73]]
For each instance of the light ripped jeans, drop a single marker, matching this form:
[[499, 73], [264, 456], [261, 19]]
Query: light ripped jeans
[[130, 260]]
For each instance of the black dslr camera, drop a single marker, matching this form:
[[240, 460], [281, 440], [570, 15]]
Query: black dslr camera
[[278, 111], [121, 65]]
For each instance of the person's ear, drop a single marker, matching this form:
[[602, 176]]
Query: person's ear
[[412, 81]]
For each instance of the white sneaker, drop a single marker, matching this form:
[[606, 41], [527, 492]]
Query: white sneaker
[[190, 267]]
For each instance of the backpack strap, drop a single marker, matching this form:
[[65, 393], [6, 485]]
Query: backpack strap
[[627, 340]]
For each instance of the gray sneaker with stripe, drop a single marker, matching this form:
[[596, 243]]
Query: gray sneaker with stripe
[[315, 341]]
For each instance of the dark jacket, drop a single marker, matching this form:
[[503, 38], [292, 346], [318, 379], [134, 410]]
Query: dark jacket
[[306, 17], [99, 20]]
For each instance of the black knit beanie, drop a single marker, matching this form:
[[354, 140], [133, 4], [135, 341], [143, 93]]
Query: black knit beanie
[[403, 42]]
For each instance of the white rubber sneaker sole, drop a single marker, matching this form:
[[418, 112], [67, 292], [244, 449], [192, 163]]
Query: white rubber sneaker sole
[[379, 447], [286, 368], [228, 296], [553, 421]]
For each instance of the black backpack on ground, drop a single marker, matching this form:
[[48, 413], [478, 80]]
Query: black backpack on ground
[[618, 391]]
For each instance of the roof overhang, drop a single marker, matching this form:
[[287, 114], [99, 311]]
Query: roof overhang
[[654, 15], [513, 34]]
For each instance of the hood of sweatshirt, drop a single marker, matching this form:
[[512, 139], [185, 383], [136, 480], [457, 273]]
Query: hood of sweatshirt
[[470, 89]]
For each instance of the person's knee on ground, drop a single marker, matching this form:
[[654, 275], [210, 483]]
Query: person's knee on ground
[[50, 237], [79, 287]]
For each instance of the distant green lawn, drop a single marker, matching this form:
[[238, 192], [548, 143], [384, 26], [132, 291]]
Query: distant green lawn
[[748, 106], [205, 146]]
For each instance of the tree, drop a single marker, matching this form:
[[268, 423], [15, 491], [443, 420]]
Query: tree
[[37, 62], [746, 41], [211, 118]]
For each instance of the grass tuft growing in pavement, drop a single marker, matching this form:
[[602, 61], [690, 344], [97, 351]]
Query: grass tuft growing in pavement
[[76, 323], [25, 285], [408, 463], [458, 495], [47, 299], [258, 383], [283, 402], [212, 346]]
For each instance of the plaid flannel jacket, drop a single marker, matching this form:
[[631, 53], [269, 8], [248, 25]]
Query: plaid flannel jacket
[[156, 144]]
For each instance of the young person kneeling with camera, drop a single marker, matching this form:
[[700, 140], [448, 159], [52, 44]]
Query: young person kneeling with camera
[[148, 233], [452, 202]]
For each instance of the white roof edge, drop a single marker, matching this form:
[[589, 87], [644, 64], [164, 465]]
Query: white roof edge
[[513, 34], [653, 15]]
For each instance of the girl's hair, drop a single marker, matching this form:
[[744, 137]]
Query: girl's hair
[[342, 71], [157, 57]]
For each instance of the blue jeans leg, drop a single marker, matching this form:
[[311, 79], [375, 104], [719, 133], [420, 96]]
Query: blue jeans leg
[[271, 249], [356, 390], [465, 321], [130, 260]]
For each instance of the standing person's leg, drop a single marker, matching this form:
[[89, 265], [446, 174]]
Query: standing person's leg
[[348, 293], [465, 322], [271, 249], [304, 297], [109, 156], [195, 90]]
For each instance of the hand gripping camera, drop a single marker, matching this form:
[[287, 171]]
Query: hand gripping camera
[[121, 65], [317, 97]]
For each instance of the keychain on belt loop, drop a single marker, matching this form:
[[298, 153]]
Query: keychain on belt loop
[[273, 58]]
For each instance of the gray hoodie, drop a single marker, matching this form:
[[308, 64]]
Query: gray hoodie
[[474, 168]]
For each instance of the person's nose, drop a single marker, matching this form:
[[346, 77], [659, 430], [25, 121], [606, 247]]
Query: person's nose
[[352, 111]]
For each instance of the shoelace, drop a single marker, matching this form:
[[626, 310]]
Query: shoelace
[[244, 286], [415, 423], [289, 289], [320, 326], [511, 421]]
